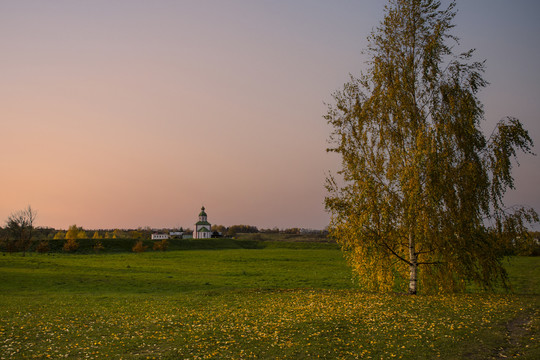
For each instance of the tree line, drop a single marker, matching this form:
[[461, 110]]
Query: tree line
[[21, 235]]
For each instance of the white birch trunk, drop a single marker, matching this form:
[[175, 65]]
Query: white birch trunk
[[413, 266]]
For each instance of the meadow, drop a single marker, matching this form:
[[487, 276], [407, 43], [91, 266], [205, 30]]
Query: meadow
[[269, 302]]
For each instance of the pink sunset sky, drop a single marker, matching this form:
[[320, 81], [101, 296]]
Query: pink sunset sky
[[120, 114]]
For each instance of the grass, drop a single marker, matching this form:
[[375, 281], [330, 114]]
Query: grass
[[270, 303]]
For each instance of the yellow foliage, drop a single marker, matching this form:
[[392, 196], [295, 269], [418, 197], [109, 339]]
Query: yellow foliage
[[139, 247]]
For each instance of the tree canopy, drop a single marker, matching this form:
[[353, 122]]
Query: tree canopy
[[419, 200]]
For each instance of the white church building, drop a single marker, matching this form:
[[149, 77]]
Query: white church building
[[203, 229]]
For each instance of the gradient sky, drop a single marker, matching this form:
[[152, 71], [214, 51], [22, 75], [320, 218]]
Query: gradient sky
[[120, 114]]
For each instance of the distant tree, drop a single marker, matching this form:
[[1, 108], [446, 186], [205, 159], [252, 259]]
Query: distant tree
[[146, 232], [119, 234], [135, 234], [241, 229], [219, 228], [525, 245], [44, 233], [97, 236], [71, 237], [72, 232], [60, 235], [292, 231], [274, 230], [20, 227], [421, 199]]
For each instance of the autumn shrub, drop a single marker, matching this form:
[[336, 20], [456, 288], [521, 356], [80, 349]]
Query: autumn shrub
[[70, 245], [139, 247], [161, 245], [43, 246]]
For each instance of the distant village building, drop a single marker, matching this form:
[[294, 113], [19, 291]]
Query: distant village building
[[202, 227], [203, 230], [158, 236], [176, 234]]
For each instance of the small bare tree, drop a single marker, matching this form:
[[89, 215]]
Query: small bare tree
[[20, 226]]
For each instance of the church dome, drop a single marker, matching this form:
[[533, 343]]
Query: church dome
[[202, 213]]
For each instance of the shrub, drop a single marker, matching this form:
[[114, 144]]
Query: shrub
[[161, 245], [8, 245], [98, 246], [71, 245], [43, 246], [139, 247]]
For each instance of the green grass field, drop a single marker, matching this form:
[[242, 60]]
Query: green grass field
[[269, 303]]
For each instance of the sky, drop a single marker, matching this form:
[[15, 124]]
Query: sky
[[126, 113]]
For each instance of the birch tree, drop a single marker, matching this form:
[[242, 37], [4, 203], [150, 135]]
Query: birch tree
[[419, 199]]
